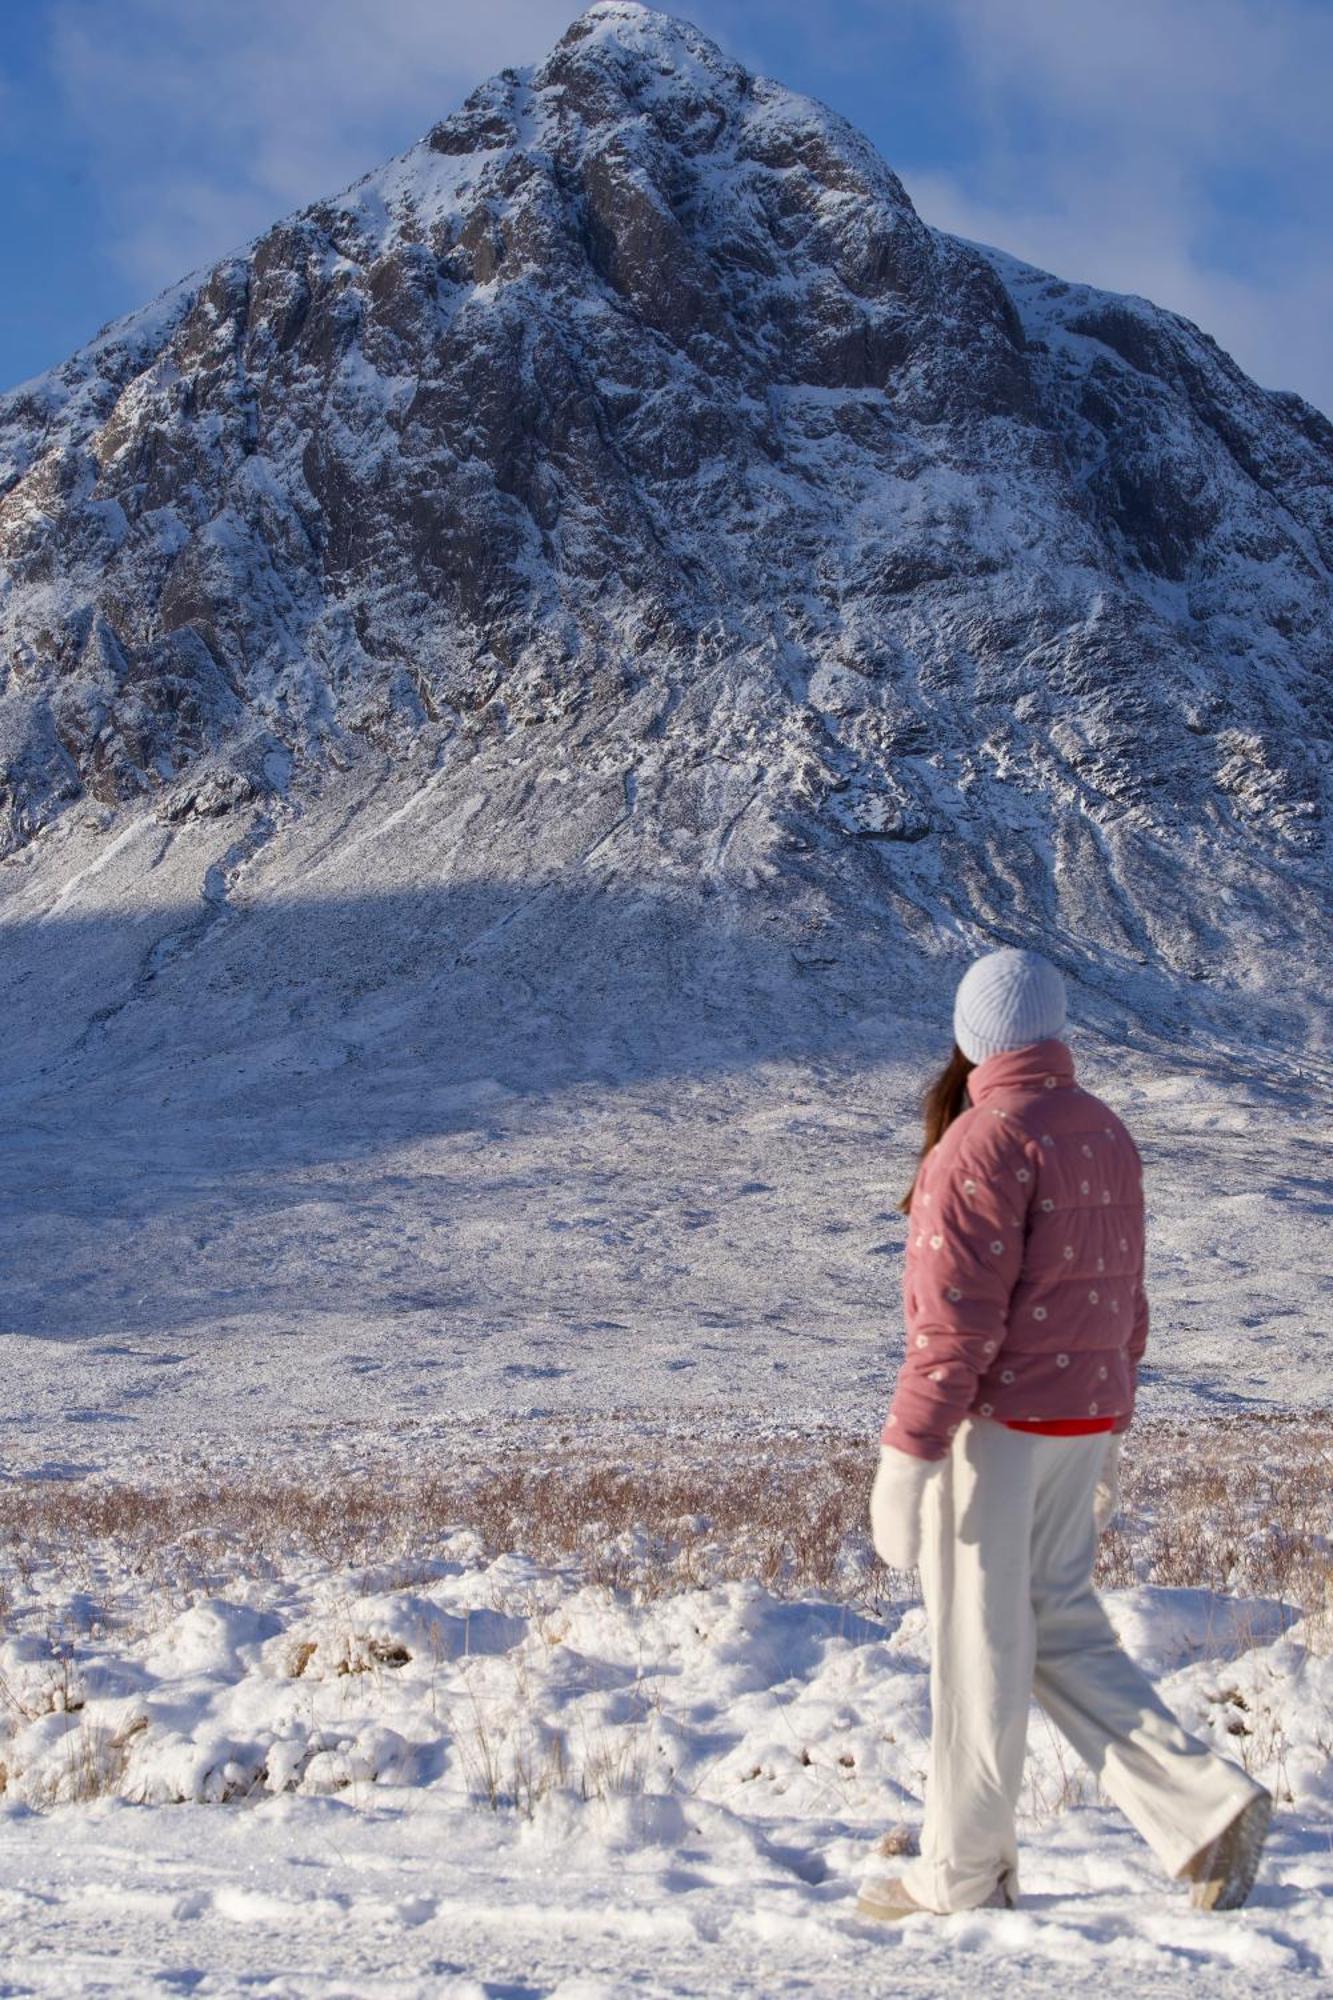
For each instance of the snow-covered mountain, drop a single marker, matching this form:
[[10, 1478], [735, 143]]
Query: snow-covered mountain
[[620, 551]]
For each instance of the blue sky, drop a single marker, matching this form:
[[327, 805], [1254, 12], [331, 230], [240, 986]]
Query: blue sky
[[1180, 148]]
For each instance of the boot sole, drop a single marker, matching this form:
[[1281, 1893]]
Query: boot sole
[[1239, 1847], [887, 1913], [884, 1912]]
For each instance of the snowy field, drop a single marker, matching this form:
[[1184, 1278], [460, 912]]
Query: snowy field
[[321, 1153], [472, 1774], [313, 1186]]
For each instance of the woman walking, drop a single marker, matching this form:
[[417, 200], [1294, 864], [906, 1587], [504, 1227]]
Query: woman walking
[[1026, 1321]]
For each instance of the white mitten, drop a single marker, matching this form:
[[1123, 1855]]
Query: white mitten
[[895, 1505], [1106, 1498]]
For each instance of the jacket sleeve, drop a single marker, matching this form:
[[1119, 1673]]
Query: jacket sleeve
[[1138, 1342], [967, 1230], [1138, 1339]]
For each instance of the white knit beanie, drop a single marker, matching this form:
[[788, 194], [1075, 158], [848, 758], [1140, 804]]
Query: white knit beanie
[[1006, 1000]]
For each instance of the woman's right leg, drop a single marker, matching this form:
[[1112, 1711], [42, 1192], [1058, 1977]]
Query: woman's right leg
[[1173, 1789], [974, 1579]]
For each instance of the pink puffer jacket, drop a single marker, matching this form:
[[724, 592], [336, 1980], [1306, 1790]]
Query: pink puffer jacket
[[1023, 1285]]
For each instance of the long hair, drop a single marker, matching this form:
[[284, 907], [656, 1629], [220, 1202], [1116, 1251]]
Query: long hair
[[945, 1097]]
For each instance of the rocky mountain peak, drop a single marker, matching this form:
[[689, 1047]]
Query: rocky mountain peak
[[634, 424]]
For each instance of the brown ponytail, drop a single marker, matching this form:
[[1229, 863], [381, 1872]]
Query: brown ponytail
[[945, 1097]]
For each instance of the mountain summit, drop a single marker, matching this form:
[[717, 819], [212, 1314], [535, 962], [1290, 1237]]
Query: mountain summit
[[630, 480]]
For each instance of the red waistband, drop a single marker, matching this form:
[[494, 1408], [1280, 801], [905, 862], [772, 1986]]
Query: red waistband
[[1060, 1427]]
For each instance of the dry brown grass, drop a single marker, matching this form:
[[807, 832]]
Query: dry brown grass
[[764, 1512], [1237, 1505], [1242, 1506]]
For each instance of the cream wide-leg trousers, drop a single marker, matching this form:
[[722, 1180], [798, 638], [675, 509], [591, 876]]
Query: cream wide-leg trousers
[[1008, 1543]]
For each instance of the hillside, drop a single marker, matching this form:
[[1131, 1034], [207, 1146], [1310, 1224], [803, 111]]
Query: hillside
[[630, 483]]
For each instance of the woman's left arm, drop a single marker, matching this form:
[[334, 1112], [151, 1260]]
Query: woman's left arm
[[1138, 1336], [968, 1227]]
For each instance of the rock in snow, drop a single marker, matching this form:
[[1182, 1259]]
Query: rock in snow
[[633, 425]]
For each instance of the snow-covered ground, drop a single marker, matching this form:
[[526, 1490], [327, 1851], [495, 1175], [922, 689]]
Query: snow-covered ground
[[704, 1252], [485, 1777], [265, 1737], [298, 1147], [312, 1174]]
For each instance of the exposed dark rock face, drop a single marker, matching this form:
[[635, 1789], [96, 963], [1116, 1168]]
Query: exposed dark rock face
[[637, 401]]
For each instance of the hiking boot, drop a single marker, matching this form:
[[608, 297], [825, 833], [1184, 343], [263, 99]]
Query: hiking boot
[[890, 1900], [1222, 1873]]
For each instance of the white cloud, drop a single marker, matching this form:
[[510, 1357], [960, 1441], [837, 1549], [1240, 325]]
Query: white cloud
[[1203, 76], [1277, 329], [1176, 148], [207, 122]]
